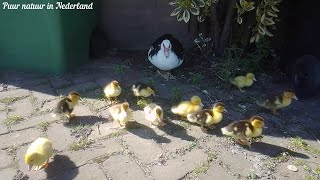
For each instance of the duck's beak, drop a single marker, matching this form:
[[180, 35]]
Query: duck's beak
[[166, 52], [295, 97], [225, 110], [29, 167], [265, 127], [254, 79], [201, 105]]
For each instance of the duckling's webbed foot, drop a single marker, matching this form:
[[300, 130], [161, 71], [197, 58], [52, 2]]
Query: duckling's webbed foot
[[241, 90]]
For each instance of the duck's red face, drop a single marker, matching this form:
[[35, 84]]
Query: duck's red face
[[166, 46]]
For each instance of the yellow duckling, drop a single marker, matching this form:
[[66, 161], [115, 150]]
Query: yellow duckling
[[121, 113], [188, 107], [154, 114], [208, 117], [112, 90], [66, 105], [243, 130], [38, 154], [278, 101], [243, 81], [142, 90]]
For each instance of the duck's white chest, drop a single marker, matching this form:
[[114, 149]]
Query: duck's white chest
[[165, 63]]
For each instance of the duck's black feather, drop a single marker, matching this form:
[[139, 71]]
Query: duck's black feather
[[63, 107], [239, 127]]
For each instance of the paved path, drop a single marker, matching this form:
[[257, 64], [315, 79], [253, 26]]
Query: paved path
[[90, 147]]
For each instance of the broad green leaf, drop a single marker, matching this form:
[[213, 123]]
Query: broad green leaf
[[195, 11], [180, 16], [176, 11], [186, 16], [239, 20], [272, 14], [275, 9], [268, 33], [252, 39]]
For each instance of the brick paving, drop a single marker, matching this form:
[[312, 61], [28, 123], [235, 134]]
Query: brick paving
[[176, 151]]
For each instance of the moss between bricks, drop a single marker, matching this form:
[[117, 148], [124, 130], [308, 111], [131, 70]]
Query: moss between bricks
[[10, 100], [301, 144], [81, 144], [12, 120]]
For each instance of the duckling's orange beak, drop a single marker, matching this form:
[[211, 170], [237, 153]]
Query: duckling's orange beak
[[295, 97], [254, 79], [201, 104], [225, 110]]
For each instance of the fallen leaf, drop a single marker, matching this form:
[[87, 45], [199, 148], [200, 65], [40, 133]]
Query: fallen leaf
[[292, 168]]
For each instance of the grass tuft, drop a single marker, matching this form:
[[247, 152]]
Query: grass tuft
[[12, 120]]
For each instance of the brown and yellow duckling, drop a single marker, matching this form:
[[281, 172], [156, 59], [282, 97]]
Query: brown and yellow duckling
[[243, 81], [244, 130], [121, 113], [154, 114], [66, 105], [188, 107], [208, 117], [112, 90], [278, 101], [142, 90]]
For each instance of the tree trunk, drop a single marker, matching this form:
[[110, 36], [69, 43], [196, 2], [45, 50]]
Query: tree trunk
[[215, 26], [222, 35]]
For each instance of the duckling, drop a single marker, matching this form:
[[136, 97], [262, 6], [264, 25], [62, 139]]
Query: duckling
[[188, 107], [38, 154], [208, 117], [66, 105], [243, 130], [112, 90], [121, 113], [278, 101], [243, 81], [142, 90], [154, 114]]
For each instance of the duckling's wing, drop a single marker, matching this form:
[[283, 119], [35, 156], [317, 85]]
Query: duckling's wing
[[271, 101], [238, 80], [63, 106]]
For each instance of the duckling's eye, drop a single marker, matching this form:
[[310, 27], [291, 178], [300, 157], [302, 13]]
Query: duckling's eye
[[31, 160]]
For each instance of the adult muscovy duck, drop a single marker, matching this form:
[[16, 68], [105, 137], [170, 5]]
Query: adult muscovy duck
[[166, 53]]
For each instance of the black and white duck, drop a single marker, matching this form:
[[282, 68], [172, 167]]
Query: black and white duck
[[166, 53]]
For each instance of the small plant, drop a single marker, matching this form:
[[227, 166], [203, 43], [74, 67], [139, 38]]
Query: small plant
[[43, 126], [196, 78], [81, 130], [9, 100], [176, 94], [120, 69], [185, 125], [33, 99], [202, 169], [12, 120], [252, 176], [81, 144], [143, 102], [301, 144]]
